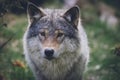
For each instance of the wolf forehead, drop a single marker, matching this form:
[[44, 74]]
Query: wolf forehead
[[52, 21], [54, 12], [52, 18]]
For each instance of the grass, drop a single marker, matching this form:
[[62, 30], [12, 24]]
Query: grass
[[12, 63], [101, 41]]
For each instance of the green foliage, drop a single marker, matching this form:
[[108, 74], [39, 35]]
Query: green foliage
[[104, 64], [12, 62]]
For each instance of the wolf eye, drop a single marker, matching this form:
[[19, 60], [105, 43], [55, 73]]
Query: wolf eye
[[60, 34], [42, 33]]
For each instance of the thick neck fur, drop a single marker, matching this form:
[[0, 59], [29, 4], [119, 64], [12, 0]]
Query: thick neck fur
[[57, 68]]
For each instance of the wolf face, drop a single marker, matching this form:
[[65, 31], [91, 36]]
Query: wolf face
[[52, 33], [55, 44]]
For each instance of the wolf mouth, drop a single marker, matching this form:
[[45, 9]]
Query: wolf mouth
[[49, 58]]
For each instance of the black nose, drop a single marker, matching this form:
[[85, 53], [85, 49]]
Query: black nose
[[49, 53]]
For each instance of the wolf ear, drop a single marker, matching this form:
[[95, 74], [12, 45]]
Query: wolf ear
[[72, 15], [34, 12]]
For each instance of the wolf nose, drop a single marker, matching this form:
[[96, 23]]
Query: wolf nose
[[49, 53]]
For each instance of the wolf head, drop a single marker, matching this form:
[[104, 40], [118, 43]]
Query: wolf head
[[52, 33]]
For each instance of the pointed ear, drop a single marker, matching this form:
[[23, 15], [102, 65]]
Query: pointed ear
[[72, 15], [34, 12]]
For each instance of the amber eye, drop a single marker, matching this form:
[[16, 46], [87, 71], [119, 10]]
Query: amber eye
[[43, 32]]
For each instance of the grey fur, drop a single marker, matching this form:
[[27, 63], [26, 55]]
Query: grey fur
[[72, 54]]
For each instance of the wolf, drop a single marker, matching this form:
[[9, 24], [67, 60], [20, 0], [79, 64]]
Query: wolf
[[55, 43]]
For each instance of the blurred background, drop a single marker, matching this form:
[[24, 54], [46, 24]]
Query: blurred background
[[101, 20]]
